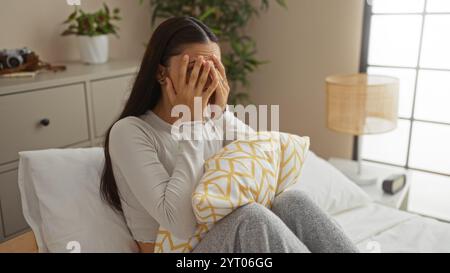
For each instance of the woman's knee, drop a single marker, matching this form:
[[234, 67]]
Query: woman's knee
[[293, 200], [261, 230], [255, 215]]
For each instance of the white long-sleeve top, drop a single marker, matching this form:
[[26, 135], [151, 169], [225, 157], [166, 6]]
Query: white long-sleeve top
[[156, 173]]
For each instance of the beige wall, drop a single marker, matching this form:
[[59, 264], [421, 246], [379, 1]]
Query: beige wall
[[37, 24], [305, 43]]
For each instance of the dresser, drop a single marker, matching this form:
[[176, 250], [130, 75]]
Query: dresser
[[73, 108]]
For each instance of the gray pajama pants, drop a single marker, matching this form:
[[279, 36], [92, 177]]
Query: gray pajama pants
[[295, 224]]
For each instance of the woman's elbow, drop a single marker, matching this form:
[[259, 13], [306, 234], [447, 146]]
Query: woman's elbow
[[185, 230], [181, 223]]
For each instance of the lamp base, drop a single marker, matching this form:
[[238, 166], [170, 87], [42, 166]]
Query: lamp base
[[362, 179], [360, 175]]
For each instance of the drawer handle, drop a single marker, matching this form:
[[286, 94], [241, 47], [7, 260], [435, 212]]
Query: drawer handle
[[44, 122]]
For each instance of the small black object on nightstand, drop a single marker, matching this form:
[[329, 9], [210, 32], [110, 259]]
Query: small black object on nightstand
[[394, 183]]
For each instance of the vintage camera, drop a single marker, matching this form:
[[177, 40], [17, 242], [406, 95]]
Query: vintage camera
[[13, 58]]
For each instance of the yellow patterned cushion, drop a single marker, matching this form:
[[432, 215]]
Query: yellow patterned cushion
[[245, 171]]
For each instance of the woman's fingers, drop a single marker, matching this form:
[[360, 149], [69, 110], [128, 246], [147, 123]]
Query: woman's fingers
[[211, 89], [170, 91], [203, 79], [220, 78], [220, 82], [223, 84], [195, 73], [183, 70], [222, 91], [219, 66]]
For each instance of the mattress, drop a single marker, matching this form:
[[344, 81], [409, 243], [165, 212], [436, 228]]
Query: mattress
[[377, 228]]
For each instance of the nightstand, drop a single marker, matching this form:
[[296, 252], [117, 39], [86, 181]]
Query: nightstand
[[399, 200]]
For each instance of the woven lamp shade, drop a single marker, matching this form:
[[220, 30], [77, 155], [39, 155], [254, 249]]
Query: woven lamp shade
[[361, 104]]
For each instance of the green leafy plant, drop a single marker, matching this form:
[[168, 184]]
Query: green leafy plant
[[92, 24], [228, 19]]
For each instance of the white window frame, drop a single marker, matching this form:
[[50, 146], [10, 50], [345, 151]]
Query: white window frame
[[364, 65]]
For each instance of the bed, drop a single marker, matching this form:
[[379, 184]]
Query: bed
[[376, 228], [60, 199]]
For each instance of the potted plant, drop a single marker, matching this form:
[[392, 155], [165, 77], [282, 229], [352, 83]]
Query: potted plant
[[92, 30]]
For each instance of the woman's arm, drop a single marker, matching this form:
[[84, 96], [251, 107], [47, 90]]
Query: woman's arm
[[146, 247], [231, 127], [166, 198]]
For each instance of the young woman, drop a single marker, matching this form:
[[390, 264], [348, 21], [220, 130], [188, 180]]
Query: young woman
[[150, 176]]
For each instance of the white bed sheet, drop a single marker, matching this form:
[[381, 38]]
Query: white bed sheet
[[377, 228]]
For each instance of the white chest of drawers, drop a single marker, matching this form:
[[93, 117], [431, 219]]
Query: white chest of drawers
[[73, 108]]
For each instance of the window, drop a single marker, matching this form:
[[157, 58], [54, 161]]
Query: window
[[410, 40]]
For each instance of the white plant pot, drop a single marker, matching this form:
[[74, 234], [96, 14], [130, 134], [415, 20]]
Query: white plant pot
[[93, 50]]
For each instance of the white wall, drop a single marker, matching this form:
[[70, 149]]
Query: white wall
[[305, 43]]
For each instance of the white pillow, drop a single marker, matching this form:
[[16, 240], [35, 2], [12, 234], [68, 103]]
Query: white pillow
[[62, 204], [328, 187]]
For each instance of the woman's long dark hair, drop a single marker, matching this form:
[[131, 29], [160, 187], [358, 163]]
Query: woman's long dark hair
[[167, 40]]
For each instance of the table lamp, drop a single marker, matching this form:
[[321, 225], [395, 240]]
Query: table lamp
[[361, 104]]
